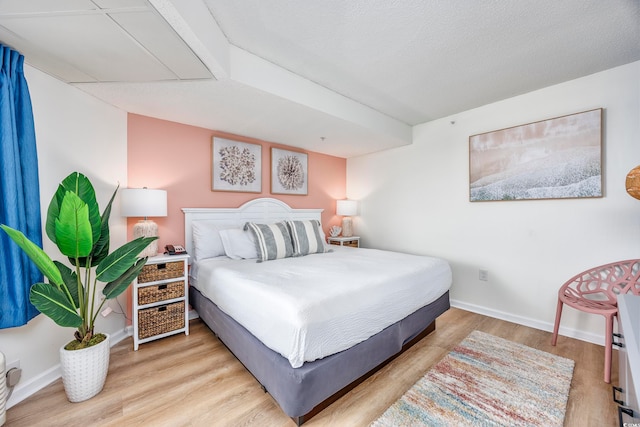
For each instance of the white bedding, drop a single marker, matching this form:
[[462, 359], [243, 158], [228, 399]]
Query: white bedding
[[309, 307]]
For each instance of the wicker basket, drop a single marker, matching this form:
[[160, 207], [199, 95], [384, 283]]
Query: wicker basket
[[161, 292], [162, 271], [159, 320]]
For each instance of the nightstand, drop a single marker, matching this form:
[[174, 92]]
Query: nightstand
[[353, 241], [161, 299]]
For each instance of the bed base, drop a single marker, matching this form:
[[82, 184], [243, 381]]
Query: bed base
[[326, 403], [305, 391]]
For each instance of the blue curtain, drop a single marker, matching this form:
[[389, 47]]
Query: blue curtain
[[19, 191]]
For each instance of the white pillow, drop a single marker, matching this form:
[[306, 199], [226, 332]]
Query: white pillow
[[206, 240], [238, 244]]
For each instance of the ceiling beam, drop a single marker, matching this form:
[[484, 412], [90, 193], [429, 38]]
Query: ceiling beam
[[193, 22], [258, 73]]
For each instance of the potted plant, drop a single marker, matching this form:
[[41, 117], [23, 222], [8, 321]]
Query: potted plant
[[70, 298]]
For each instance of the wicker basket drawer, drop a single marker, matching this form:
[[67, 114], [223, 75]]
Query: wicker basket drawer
[[162, 271], [158, 320], [161, 292]]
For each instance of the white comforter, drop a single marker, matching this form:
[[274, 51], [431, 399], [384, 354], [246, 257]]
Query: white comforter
[[309, 307]]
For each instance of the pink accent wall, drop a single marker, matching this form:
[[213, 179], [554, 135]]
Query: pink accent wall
[[177, 158]]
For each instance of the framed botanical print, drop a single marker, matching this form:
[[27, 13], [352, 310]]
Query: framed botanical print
[[237, 166], [289, 172]]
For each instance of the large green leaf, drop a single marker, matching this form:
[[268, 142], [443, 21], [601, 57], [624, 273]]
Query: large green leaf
[[52, 302], [53, 212], [80, 185], [73, 229], [36, 254], [120, 260], [101, 247], [118, 286], [71, 282]]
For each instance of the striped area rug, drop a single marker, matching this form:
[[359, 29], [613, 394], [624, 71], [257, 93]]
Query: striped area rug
[[487, 381]]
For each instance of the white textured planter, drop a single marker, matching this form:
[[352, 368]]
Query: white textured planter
[[3, 390], [84, 371]]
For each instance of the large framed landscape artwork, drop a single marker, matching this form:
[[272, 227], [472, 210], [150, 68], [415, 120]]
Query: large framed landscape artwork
[[558, 158]]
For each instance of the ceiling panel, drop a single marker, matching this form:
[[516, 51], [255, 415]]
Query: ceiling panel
[[120, 4], [92, 43], [45, 6], [149, 29], [104, 40], [39, 57]]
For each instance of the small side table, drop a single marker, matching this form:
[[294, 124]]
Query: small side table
[[353, 241], [161, 299]]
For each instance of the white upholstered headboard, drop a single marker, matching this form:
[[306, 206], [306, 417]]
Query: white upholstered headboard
[[264, 210]]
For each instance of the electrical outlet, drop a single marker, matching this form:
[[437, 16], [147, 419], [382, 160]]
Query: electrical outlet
[[14, 364], [107, 311], [13, 377], [483, 275]]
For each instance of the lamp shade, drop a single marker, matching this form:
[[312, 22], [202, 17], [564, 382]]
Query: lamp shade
[[346, 207], [143, 202]]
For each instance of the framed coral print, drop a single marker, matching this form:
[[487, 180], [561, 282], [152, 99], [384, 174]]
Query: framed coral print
[[237, 166], [289, 172], [559, 158]]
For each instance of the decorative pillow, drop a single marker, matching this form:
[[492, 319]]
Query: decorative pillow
[[307, 237], [272, 241], [206, 240], [238, 244]]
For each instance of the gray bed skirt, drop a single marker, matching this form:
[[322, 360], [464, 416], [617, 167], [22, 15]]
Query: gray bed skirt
[[298, 391]]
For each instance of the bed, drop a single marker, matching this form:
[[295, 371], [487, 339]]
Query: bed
[[287, 313]]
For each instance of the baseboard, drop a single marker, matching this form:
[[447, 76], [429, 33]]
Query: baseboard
[[26, 389], [532, 323], [37, 383]]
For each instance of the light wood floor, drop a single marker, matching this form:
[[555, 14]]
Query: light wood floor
[[194, 381]]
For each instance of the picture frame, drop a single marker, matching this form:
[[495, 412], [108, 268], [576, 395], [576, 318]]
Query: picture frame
[[236, 166], [289, 172], [557, 158]]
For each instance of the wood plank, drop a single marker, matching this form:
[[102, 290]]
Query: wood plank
[[195, 380]]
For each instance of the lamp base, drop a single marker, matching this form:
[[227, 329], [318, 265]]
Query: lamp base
[[347, 227], [147, 228]]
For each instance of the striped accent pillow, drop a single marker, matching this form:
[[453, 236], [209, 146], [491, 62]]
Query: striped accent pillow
[[307, 237], [273, 241]]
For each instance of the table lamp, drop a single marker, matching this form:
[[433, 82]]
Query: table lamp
[[347, 209], [144, 202]]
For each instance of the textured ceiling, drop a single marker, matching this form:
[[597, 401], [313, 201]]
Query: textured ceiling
[[418, 60], [358, 73]]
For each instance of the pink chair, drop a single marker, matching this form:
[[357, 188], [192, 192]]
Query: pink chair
[[596, 291]]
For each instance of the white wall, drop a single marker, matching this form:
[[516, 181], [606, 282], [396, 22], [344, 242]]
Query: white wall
[[416, 199], [74, 132]]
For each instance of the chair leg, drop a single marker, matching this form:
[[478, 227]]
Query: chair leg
[[608, 343], [556, 326]]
